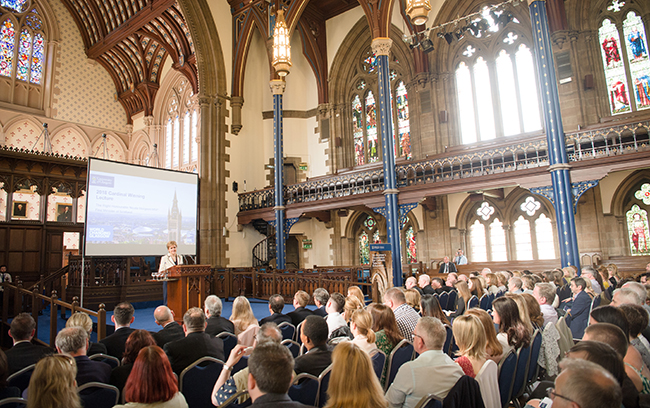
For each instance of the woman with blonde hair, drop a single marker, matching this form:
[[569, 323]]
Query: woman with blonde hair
[[493, 349], [475, 286], [413, 298], [352, 303], [246, 325], [461, 301], [353, 382], [524, 315], [534, 311], [53, 383], [81, 319], [502, 280], [356, 292], [614, 276], [492, 285], [361, 328]]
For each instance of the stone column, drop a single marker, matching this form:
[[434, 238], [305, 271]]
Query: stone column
[[381, 48], [277, 88], [559, 165]]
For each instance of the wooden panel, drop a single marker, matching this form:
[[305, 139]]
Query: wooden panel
[[15, 260], [16, 239], [32, 240], [31, 262]]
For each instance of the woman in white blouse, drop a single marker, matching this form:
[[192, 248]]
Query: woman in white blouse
[[361, 328], [167, 261]]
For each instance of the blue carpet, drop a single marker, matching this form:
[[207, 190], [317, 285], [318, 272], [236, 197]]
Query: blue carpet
[[144, 317]]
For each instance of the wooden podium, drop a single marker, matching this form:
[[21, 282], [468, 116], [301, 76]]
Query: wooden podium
[[188, 287]]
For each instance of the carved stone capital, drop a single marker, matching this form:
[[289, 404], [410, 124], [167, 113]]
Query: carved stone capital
[[277, 86], [574, 36], [236, 101], [559, 38], [148, 120], [381, 45], [205, 100]]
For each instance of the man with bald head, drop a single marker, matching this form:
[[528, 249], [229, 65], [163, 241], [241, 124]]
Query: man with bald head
[[170, 329]]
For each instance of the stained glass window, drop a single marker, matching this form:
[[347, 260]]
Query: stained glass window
[[637, 55], [370, 223], [364, 248], [485, 211], [370, 62], [7, 40], [523, 242], [15, 5], [637, 227], [361, 85], [187, 135], [371, 128], [37, 59], [643, 194], [357, 131], [615, 76], [530, 206], [404, 129], [25, 45], [411, 246], [376, 239]]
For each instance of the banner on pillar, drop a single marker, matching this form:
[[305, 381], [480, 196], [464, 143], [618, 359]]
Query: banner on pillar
[[381, 267]]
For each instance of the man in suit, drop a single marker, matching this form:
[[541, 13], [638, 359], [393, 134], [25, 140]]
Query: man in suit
[[321, 296], [276, 304], [170, 329], [270, 376], [196, 344], [424, 282], [300, 302], [579, 312], [24, 353], [216, 323], [314, 334], [73, 341], [446, 266], [412, 283], [122, 317]]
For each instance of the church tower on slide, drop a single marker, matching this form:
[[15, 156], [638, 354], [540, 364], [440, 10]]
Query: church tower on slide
[[174, 221]]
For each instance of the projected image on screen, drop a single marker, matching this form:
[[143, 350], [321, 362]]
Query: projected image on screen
[[135, 210]]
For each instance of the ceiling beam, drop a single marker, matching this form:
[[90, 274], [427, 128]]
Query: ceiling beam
[[155, 9]]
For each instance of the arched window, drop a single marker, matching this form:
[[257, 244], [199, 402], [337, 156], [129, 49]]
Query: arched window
[[496, 86], [365, 107], [533, 231], [368, 233], [626, 67], [637, 221], [486, 235], [181, 129], [409, 240], [22, 53]]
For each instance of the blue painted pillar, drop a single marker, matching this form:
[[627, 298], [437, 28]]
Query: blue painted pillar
[[277, 88], [381, 48], [558, 163]]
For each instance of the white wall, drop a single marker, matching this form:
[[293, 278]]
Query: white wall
[[320, 254]]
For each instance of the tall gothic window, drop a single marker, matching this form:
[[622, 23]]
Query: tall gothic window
[[625, 63], [181, 129], [533, 231], [487, 236], [637, 221], [496, 87], [368, 233], [364, 106], [409, 241]]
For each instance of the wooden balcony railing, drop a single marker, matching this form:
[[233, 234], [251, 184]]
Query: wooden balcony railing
[[520, 155]]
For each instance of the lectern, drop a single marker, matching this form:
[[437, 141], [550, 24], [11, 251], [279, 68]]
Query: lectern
[[188, 287]]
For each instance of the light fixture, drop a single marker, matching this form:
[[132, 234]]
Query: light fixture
[[426, 45], [281, 46], [418, 11]]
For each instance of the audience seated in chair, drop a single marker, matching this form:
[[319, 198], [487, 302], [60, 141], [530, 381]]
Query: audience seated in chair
[[73, 341], [353, 382], [216, 323], [53, 383], [271, 370], [81, 319], [387, 335], [123, 318], [361, 328], [228, 383], [5, 391], [321, 296], [24, 353], [544, 293], [415, 379], [318, 356], [196, 343], [335, 307], [152, 382], [242, 317], [493, 348], [138, 340], [513, 333], [276, 304], [405, 316], [170, 331]]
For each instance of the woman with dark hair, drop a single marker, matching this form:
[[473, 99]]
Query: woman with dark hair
[[534, 311], [462, 299], [429, 306], [152, 382], [637, 319], [6, 392], [387, 334], [475, 286], [137, 340], [635, 368], [513, 333]]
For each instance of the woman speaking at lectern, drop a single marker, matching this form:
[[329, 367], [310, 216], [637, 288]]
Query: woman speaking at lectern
[[166, 262]]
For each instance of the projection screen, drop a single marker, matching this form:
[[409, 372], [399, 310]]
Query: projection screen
[[135, 210]]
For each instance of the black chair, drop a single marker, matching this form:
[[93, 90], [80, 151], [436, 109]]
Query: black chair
[[472, 302], [507, 367], [21, 378], [594, 303], [378, 362], [443, 300], [451, 303], [521, 373], [323, 384], [229, 342], [194, 378], [402, 353], [13, 402], [296, 335], [293, 347], [429, 401], [99, 395], [304, 389], [484, 302], [448, 340], [535, 348], [288, 330], [105, 358]]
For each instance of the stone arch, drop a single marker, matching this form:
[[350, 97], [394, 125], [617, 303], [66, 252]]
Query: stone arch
[[70, 140], [22, 132], [621, 197], [116, 150]]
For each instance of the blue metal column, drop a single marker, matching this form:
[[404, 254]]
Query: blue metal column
[[277, 88], [381, 48], [559, 165]]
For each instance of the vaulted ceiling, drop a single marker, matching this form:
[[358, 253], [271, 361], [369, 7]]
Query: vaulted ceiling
[[132, 39]]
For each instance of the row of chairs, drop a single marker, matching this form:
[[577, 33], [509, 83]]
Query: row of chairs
[[92, 394], [518, 370], [447, 300]]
